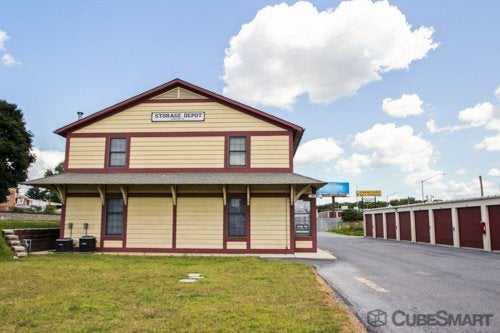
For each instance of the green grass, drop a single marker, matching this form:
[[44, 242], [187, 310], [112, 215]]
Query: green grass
[[349, 228], [106, 293], [5, 252]]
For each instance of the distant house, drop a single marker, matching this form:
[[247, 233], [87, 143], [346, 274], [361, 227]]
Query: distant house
[[10, 202], [25, 202]]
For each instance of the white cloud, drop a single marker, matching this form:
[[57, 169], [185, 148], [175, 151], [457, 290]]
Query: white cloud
[[460, 172], [497, 92], [494, 172], [290, 50], [354, 164], [491, 143], [3, 39], [434, 128], [406, 105], [451, 189], [8, 60], [45, 159], [318, 150], [388, 144], [478, 115]]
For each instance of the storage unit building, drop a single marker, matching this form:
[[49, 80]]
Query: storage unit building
[[468, 223], [179, 168]]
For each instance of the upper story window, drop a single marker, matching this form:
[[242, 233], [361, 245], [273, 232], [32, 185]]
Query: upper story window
[[118, 152], [237, 151]]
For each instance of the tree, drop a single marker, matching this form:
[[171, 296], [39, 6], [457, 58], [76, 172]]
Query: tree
[[47, 194], [36, 193], [352, 215], [50, 194], [15, 148]]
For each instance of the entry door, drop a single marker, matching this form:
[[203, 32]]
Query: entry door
[[379, 226], [405, 226], [469, 222], [369, 225], [390, 219], [422, 226], [443, 226], [494, 214]]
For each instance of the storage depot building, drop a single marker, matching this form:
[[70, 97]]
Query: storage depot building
[[179, 168]]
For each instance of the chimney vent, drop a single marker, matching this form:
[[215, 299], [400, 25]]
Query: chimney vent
[[79, 114]]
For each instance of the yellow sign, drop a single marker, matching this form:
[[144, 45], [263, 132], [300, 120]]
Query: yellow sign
[[369, 193]]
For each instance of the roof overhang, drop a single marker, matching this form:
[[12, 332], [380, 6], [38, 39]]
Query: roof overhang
[[142, 97], [208, 178]]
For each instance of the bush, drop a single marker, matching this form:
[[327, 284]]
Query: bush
[[352, 215]]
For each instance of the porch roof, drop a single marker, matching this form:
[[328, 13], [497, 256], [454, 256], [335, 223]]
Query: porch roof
[[191, 178]]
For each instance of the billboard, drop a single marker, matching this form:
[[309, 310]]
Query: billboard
[[369, 193], [334, 189]]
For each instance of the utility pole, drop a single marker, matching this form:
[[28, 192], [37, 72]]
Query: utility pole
[[422, 181], [481, 185]]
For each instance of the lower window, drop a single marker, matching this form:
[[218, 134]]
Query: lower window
[[302, 218], [114, 216], [237, 221]]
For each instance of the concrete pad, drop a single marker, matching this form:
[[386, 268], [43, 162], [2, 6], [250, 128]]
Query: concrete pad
[[195, 276], [318, 255], [188, 280]]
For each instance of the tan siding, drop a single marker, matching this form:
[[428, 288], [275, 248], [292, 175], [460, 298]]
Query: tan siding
[[236, 245], [179, 93], [80, 210], [199, 223], [177, 152], [112, 244], [149, 222], [303, 244], [270, 221], [86, 152], [270, 151], [217, 118]]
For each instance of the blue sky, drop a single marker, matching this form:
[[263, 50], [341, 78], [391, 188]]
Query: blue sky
[[84, 56]]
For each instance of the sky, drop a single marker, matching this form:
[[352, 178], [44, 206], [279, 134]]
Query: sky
[[389, 93]]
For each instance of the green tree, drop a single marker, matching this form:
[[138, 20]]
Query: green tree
[[43, 193], [50, 194], [36, 193], [15, 148], [352, 215]]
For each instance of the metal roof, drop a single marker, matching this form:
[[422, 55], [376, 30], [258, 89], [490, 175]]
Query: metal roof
[[434, 203], [192, 178]]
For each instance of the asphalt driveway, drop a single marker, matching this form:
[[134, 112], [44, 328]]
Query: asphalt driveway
[[404, 279]]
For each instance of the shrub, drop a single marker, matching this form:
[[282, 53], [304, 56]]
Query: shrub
[[351, 215]]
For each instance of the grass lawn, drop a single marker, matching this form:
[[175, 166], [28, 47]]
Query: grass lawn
[[5, 252], [349, 228], [106, 293]]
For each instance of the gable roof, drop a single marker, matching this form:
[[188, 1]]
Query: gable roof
[[142, 97]]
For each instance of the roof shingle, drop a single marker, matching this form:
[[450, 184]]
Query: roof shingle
[[198, 178]]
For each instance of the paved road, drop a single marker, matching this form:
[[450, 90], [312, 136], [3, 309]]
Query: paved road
[[390, 276]]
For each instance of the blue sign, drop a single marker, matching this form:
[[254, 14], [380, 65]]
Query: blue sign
[[334, 189]]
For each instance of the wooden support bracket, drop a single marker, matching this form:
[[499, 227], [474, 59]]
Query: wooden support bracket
[[61, 192], [174, 194], [124, 191], [302, 191], [224, 195], [101, 194]]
